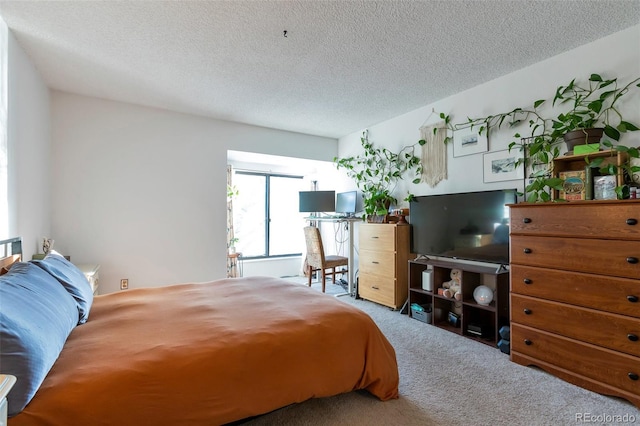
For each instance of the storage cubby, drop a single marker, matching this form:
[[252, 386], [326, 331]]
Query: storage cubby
[[478, 322]]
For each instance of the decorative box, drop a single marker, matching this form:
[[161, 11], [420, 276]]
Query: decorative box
[[574, 187]]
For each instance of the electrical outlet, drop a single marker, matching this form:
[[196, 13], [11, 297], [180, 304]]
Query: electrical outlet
[[124, 284]]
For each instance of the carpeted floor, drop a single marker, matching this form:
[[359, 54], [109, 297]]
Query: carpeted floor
[[447, 379]]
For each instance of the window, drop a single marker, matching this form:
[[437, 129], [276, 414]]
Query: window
[[266, 220]]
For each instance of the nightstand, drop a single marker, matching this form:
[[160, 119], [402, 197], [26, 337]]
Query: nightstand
[[6, 383], [91, 271]]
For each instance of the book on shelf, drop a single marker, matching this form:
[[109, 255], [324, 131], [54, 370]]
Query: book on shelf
[[574, 185]]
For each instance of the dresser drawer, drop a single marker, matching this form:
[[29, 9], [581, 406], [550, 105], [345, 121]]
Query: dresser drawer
[[606, 257], [599, 364], [377, 236], [617, 332], [601, 220], [377, 263], [611, 294], [377, 289]]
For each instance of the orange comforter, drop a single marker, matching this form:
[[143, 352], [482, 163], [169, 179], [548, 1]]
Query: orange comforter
[[210, 353]]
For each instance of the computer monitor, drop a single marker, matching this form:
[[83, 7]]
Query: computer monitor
[[346, 203], [317, 201]]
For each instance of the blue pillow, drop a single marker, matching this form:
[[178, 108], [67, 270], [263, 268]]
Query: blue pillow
[[36, 317], [73, 280]]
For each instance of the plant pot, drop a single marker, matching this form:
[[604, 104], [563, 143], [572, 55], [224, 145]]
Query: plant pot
[[582, 137]]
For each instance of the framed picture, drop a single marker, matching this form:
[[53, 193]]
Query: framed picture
[[468, 141], [501, 165]]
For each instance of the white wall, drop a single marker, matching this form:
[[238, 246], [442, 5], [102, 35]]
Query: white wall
[[617, 55], [142, 191], [29, 148]]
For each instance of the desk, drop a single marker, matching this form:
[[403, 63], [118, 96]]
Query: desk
[[349, 222]]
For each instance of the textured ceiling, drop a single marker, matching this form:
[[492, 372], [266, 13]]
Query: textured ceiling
[[343, 65]]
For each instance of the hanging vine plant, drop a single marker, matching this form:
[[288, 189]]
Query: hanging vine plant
[[592, 104]]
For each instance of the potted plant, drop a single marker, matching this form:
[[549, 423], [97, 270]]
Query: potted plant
[[232, 245], [593, 111], [377, 171]]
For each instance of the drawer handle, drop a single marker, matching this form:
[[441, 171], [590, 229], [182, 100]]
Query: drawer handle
[[375, 262], [632, 337], [526, 220], [632, 260], [528, 342], [632, 299], [375, 238], [527, 281], [527, 311], [632, 221], [633, 376], [375, 287], [527, 250]]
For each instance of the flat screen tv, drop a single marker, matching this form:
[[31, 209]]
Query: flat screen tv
[[317, 201], [468, 226], [346, 203]]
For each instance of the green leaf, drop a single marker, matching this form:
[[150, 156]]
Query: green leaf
[[537, 103], [612, 133], [630, 127], [555, 183], [545, 196], [422, 142], [607, 83], [596, 162], [595, 77], [605, 95], [595, 106]]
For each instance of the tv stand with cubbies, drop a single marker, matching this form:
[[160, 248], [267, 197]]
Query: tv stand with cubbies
[[472, 316]]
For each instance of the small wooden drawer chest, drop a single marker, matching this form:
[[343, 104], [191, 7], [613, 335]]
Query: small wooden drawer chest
[[575, 292], [384, 256]]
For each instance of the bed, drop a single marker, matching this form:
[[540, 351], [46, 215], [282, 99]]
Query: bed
[[195, 354]]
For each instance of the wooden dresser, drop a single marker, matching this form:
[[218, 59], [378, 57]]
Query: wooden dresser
[[384, 256], [575, 292]]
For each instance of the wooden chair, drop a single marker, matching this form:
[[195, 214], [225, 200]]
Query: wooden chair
[[316, 259]]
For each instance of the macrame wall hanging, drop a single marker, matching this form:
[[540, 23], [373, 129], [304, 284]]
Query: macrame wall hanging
[[434, 154]]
